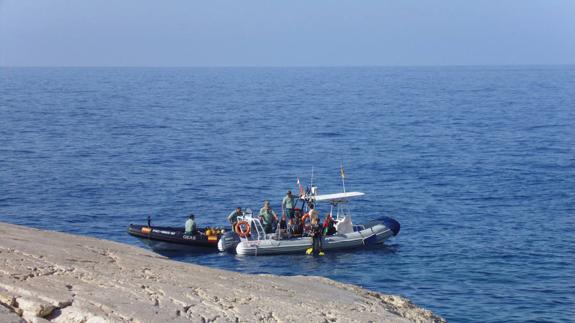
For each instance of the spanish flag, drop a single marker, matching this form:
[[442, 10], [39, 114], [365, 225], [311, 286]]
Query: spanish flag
[[341, 172]]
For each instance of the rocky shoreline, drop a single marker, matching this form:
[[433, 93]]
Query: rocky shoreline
[[49, 276]]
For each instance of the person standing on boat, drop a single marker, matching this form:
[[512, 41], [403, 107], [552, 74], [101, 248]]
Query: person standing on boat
[[190, 227], [268, 217], [233, 217], [288, 204]]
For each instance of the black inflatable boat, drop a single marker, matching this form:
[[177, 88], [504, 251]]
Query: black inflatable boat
[[173, 238]]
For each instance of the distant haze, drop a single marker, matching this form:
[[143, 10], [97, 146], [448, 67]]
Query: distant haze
[[286, 33]]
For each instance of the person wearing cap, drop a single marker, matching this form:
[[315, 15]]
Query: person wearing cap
[[233, 217], [190, 227], [288, 204], [268, 217]]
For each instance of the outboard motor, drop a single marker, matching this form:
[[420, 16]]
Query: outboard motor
[[229, 241]]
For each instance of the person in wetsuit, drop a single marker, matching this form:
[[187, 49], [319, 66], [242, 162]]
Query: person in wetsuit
[[317, 236]]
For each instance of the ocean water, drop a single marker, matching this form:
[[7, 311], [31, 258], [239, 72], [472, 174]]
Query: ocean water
[[477, 163]]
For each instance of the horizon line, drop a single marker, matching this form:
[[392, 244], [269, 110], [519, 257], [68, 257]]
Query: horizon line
[[287, 66]]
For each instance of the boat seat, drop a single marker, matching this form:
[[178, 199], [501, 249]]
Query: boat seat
[[344, 225]]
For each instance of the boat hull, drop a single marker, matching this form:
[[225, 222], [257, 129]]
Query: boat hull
[[364, 236], [173, 238]]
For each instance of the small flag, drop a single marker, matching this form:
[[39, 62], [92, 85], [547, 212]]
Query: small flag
[[341, 172], [300, 188]]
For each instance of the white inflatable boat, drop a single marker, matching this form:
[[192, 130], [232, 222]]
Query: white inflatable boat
[[252, 240]]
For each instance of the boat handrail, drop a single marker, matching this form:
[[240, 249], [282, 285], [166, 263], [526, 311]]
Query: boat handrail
[[255, 225]]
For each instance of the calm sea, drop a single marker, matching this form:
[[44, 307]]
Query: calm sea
[[477, 163]]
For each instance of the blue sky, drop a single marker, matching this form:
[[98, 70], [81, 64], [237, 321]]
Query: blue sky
[[286, 33]]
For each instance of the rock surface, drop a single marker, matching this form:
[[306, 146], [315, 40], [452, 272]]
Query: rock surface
[[55, 277]]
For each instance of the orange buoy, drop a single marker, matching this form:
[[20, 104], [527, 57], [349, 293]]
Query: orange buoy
[[243, 228]]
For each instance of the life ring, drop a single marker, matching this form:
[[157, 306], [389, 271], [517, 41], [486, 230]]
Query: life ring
[[241, 232], [305, 217]]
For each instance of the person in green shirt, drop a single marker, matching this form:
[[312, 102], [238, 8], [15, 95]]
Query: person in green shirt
[[190, 227], [288, 204], [268, 217], [233, 217]]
